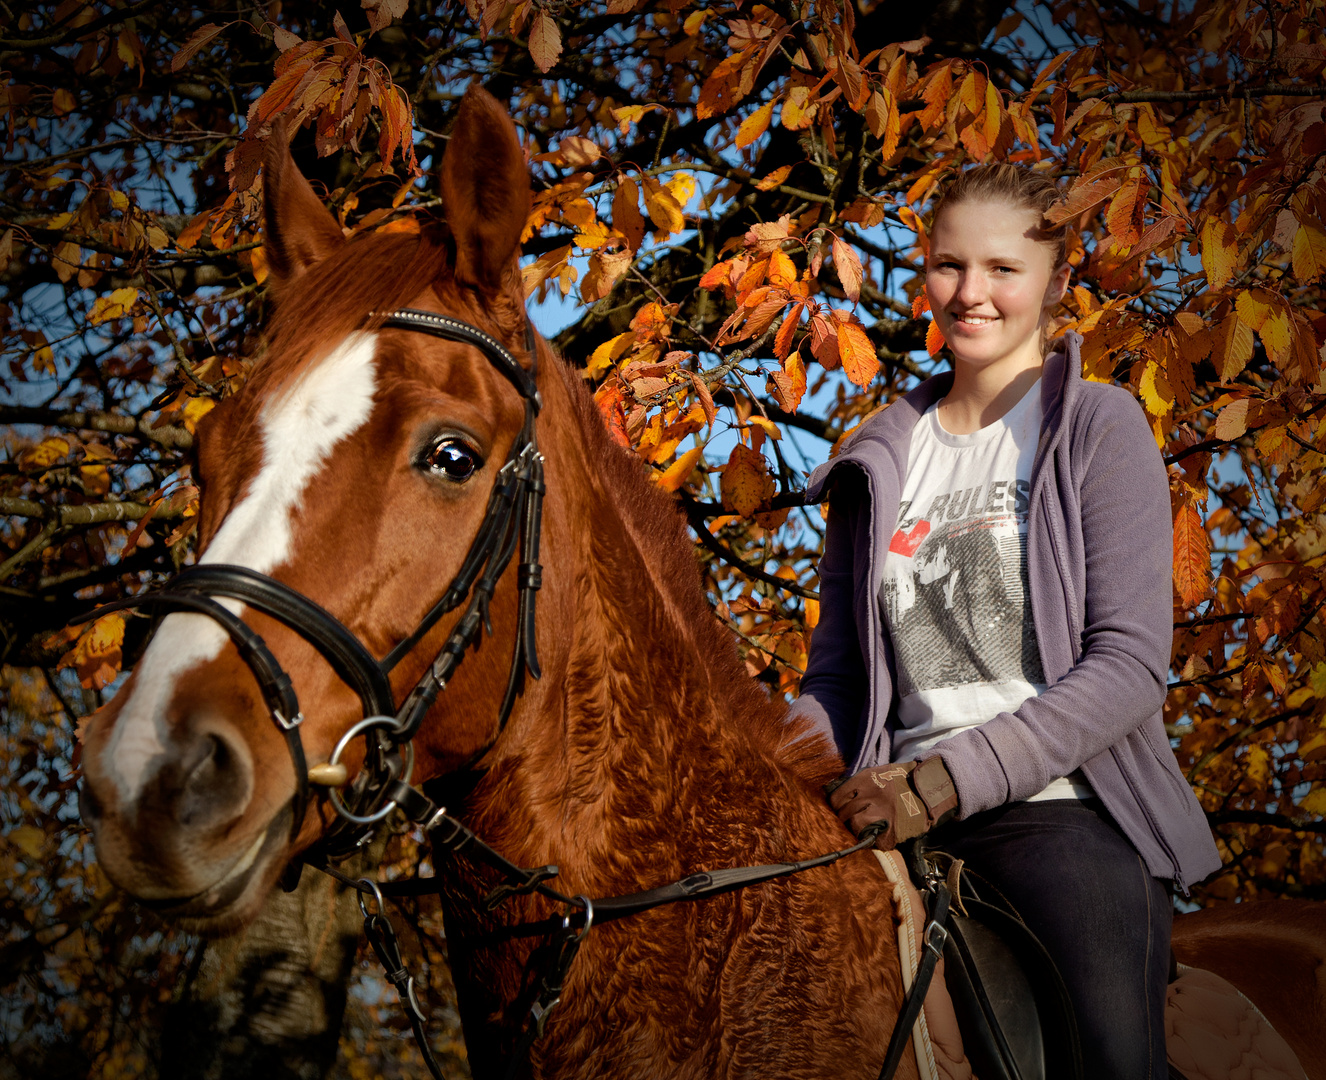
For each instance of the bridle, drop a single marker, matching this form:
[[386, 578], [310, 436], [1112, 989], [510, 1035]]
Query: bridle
[[513, 516]]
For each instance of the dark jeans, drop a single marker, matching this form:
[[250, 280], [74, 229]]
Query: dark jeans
[[1084, 891]]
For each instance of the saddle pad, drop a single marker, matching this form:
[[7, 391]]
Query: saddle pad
[[1213, 1032], [935, 1038]]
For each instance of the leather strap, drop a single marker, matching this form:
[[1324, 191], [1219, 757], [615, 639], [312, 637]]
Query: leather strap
[[935, 936]]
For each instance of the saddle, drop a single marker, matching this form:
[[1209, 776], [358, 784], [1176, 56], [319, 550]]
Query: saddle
[[997, 1008], [1009, 1001]]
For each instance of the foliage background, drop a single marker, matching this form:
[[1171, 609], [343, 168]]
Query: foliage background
[[729, 227]]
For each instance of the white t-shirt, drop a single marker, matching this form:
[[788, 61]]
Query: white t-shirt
[[954, 594]]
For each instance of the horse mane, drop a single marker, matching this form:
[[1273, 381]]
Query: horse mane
[[660, 529]]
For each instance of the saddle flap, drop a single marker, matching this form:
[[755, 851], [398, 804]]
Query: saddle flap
[[1013, 1010]]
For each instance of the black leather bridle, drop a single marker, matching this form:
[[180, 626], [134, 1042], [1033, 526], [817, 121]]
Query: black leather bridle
[[514, 515]]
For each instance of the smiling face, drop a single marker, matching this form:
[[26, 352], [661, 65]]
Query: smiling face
[[991, 282]]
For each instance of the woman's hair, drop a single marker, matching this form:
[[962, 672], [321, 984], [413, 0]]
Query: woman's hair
[[1016, 186]]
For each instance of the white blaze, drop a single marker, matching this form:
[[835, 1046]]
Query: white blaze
[[326, 403]]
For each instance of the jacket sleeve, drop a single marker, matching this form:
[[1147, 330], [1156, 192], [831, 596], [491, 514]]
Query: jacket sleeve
[[834, 690], [1118, 681]]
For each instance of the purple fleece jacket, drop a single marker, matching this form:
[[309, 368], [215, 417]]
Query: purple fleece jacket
[[1099, 555]]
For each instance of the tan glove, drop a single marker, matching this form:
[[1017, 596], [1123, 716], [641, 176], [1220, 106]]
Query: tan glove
[[909, 797]]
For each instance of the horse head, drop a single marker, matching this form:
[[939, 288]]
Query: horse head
[[355, 468]]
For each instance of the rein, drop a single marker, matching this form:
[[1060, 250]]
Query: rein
[[513, 516]]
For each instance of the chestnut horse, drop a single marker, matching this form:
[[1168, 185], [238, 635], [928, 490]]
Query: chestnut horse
[[355, 467]]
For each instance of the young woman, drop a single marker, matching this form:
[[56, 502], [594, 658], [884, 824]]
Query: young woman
[[994, 640]]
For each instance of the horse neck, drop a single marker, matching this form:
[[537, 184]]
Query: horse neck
[[644, 713]]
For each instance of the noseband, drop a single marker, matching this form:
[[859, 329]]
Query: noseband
[[513, 515]]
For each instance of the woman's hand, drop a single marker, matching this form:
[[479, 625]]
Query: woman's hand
[[908, 797]]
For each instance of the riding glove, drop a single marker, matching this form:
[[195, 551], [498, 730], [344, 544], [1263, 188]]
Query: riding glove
[[908, 798]]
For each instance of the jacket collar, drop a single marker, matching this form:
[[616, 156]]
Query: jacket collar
[[889, 432]]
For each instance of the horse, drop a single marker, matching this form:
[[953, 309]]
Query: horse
[[354, 468]]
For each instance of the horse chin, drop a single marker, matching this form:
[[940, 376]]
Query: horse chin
[[238, 895]]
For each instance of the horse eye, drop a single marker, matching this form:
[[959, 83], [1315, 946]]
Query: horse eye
[[454, 459]]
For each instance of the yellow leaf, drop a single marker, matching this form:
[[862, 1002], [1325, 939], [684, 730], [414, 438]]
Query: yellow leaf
[[593, 236], [1219, 251], [755, 125], [114, 306], [1254, 306], [1314, 802], [812, 610], [1232, 421], [64, 102], [682, 185], [766, 425], [1276, 336], [609, 353], [1155, 390], [45, 454], [662, 206], [97, 655], [1258, 766], [693, 22], [797, 112], [95, 478], [1233, 348], [675, 474], [28, 839], [1309, 253], [195, 410]]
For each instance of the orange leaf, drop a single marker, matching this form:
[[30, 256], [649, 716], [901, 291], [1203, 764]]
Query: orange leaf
[[1192, 557], [1084, 197], [97, 656], [849, 269], [545, 41], [789, 385], [860, 360], [197, 40], [626, 216], [934, 340], [755, 125], [676, 474], [1125, 215], [746, 484], [781, 271], [774, 178], [783, 339]]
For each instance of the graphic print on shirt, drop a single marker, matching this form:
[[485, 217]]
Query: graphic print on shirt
[[956, 593]]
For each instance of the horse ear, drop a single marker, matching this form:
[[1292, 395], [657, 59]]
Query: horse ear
[[298, 230], [485, 186]]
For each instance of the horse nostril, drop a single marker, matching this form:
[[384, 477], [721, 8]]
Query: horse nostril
[[217, 783]]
